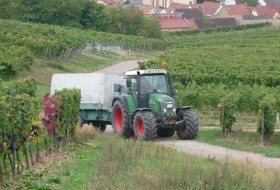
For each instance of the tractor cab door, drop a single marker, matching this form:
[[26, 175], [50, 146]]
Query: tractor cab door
[[151, 84]]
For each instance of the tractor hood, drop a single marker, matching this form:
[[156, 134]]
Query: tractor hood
[[161, 103]]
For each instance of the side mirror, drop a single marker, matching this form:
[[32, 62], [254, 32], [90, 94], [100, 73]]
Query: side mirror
[[128, 82], [183, 80]]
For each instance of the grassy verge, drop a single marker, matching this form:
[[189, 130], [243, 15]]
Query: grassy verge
[[241, 140], [115, 163], [143, 165]]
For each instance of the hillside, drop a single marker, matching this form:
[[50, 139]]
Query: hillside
[[244, 63], [21, 43]]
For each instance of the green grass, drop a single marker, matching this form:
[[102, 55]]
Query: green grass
[[66, 171], [42, 90], [211, 118], [241, 140], [116, 163]]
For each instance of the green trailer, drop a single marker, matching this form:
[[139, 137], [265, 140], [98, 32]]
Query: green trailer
[[95, 114], [97, 90]]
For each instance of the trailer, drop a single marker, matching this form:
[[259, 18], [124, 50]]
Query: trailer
[[97, 92]]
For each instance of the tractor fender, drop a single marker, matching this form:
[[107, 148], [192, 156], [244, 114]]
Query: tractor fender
[[179, 123], [123, 100], [184, 108], [141, 109]]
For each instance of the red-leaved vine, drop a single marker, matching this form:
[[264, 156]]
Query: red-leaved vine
[[51, 107]]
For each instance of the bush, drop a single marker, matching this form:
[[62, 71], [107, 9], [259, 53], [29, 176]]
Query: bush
[[267, 116], [228, 107]]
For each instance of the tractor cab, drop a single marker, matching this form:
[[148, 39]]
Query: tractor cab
[[152, 89]]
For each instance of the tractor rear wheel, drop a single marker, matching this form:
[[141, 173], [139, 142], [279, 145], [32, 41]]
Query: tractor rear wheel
[[120, 123], [168, 132], [189, 129], [144, 125]]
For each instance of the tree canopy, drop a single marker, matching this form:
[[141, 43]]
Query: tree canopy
[[84, 14]]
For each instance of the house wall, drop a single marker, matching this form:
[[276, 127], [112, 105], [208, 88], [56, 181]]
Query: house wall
[[223, 13], [276, 16], [240, 20], [254, 12], [148, 2], [173, 30], [186, 2]]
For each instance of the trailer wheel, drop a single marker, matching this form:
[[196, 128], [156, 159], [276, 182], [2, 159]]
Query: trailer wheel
[[120, 122], [102, 128], [144, 125], [189, 129], [81, 121]]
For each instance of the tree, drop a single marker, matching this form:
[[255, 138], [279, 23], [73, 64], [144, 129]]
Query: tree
[[26, 10], [56, 12], [93, 16], [5, 9], [62, 12], [151, 28], [125, 21], [252, 3]]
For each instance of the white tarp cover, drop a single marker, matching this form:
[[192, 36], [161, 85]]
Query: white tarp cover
[[95, 87]]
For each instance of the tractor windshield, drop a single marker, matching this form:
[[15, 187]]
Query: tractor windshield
[[153, 84]]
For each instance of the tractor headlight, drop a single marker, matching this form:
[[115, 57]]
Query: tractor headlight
[[169, 105]]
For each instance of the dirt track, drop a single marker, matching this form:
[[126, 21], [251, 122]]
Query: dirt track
[[121, 67], [197, 148]]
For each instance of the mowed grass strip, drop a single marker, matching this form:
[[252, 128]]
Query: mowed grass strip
[[241, 140]]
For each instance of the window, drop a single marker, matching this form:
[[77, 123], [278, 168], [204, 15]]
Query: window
[[153, 84]]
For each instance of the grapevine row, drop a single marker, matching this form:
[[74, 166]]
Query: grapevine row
[[221, 29], [21, 128], [249, 58]]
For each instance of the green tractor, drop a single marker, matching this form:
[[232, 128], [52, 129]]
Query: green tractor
[[147, 109]]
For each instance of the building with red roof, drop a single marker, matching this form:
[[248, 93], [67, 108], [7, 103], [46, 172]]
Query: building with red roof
[[208, 8], [267, 12], [173, 6], [238, 10], [175, 22]]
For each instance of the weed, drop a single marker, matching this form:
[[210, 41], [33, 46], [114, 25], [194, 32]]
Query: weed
[[54, 180]]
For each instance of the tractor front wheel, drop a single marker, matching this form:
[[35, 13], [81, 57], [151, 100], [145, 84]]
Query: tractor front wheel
[[189, 129], [120, 123], [144, 125]]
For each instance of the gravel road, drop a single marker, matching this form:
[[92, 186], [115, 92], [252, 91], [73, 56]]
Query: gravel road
[[196, 148], [121, 68]]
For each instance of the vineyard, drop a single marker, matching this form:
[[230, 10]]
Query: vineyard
[[21, 42], [220, 29], [232, 72], [21, 130]]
